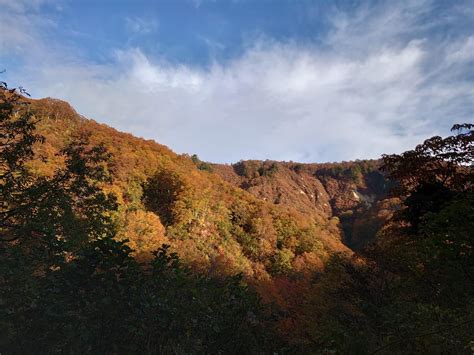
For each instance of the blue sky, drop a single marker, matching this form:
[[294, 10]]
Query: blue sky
[[190, 32], [283, 79]]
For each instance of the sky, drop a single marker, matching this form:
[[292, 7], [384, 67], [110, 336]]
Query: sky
[[307, 81]]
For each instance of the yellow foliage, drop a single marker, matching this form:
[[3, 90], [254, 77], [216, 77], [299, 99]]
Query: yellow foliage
[[144, 231]]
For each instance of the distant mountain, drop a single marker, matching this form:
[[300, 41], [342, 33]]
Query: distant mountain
[[354, 192]]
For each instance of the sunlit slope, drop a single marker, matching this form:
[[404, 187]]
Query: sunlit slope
[[354, 192], [212, 223]]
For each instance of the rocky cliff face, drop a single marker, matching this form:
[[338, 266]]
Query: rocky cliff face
[[354, 192]]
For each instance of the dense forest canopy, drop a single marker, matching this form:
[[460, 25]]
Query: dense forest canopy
[[112, 244]]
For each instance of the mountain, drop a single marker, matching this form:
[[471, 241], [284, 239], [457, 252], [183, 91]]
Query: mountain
[[265, 256], [258, 218], [354, 192]]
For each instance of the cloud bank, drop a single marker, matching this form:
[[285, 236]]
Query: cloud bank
[[381, 81]]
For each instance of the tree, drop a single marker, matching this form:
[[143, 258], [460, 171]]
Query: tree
[[433, 173], [17, 138], [448, 162], [69, 204], [430, 259], [160, 193], [44, 221]]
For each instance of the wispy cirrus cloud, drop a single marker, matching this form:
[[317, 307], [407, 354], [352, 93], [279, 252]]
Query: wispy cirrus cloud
[[19, 26], [137, 25], [382, 79]]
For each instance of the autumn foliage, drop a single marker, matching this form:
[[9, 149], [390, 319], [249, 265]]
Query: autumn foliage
[[115, 244]]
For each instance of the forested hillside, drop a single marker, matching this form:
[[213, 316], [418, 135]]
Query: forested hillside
[[168, 198], [112, 244]]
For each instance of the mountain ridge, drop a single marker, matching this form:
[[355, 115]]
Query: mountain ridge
[[262, 218]]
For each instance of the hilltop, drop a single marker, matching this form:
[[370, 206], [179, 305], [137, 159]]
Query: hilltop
[[259, 218]]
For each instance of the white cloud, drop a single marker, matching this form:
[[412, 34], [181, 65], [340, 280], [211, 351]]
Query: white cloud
[[197, 3], [22, 6], [375, 86], [25, 34], [15, 26], [137, 25], [462, 52]]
